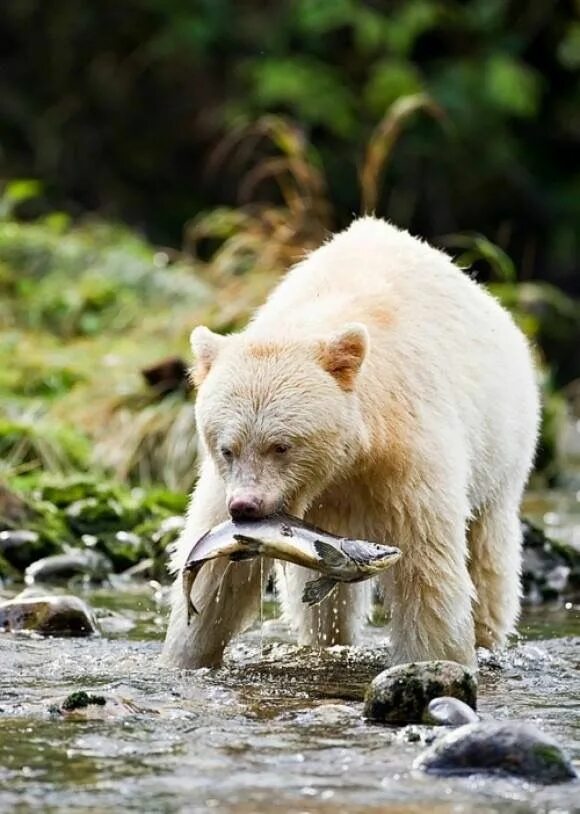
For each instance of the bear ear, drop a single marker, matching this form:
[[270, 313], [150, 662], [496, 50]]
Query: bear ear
[[344, 352], [205, 346]]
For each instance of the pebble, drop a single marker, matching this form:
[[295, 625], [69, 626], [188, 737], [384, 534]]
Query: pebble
[[447, 711]]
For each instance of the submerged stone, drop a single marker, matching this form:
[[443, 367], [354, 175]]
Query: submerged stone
[[401, 694], [88, 706], [47, 615], [498, 747], [62, 567], [447, 711], [81, 699]]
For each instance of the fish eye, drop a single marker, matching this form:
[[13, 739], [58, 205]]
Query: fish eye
[[281, 449], [226, 453]]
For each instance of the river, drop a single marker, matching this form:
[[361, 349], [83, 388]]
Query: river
[[276, 730]]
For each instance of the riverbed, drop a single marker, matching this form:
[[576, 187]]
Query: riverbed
[[278, 729]]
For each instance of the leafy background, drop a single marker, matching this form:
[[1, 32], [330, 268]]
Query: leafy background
[[163, 162]]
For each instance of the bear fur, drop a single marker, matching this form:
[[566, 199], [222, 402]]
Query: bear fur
[[379, 393]]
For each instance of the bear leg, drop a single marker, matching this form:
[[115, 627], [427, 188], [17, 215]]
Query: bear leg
[[226, 594], [231, 594], [432, 594], [495, 541], [338, 619]]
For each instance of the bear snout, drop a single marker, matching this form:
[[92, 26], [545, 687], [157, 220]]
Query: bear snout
[[246, 507]]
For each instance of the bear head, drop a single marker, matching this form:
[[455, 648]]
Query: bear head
[[279, 417]]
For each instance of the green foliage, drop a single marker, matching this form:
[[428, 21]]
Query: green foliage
[[476, 249], [313, 91], [512, 87], [75, 282], [28, 440], [126, 524], [137, 96]]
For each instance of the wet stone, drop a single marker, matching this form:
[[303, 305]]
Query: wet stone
[[90, 706], [82, 699], [13, 538], [47, 615], [21, 547], [499, 748], [401, 694], [449, 711], [62, 567], [550, 569]]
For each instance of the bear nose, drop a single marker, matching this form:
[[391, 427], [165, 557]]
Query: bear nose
[[246, 508]]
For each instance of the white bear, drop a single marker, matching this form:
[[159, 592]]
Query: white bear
[[379, 393]]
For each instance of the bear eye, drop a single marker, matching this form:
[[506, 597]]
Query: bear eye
[[226, 453], [281, 449]]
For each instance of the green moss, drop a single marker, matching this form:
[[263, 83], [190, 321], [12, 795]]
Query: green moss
[[81, 700], [127, 524]]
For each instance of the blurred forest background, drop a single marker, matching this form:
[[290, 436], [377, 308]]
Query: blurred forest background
[[163, 161]]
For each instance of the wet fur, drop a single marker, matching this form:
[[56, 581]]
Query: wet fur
[[427, 447]]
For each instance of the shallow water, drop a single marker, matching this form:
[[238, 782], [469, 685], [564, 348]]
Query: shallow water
[[274, 731]]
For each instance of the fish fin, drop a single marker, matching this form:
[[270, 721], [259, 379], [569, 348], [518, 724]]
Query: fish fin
[[331, 555], [318, 589], [252, 543]]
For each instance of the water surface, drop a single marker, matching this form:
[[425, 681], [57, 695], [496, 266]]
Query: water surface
[[277, 730]]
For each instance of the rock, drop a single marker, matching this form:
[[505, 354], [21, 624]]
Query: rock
[[550, 569], [401, 694], [447, 711], [21, 547], [328, 715], [498, 747], [16, 537], [62, 567], [80, 700], [48, 615], [85, 705]]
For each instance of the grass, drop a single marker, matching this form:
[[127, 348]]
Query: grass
[[85, 308]]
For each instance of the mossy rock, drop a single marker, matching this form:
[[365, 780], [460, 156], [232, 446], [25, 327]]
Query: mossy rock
[[81, 700], [504, 747], [401, 694]]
